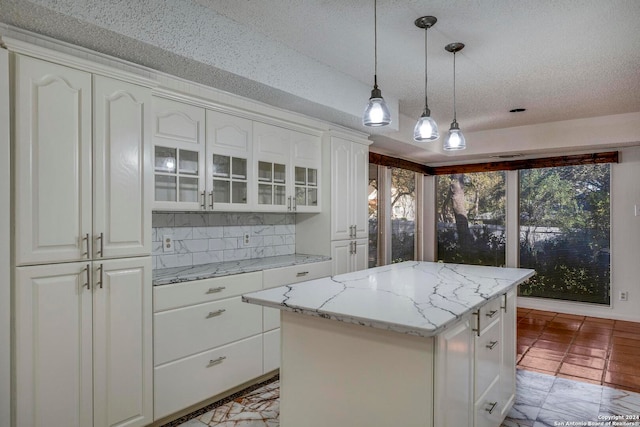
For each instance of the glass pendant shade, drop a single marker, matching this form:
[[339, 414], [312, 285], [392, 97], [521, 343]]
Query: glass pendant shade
[[455, 139], [426, 129], [377, 113]]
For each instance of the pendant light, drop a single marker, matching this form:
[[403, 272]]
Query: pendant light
[[454, 139], [377, 112], [426, 128]]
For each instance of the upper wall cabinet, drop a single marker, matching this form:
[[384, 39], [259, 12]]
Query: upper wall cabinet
[[229, 162], [63, 211], [179, 155], [288, 169]]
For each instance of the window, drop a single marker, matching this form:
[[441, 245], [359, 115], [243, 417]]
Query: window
[[470, 212], [564, 232], [373, 215], [403, 215]]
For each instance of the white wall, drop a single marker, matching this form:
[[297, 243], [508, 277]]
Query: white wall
[[5, 276], [625, 247]]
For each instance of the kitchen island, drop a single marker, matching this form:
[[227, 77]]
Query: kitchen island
[[410, 344]]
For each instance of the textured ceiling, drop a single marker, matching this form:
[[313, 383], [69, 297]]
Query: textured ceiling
[[559, 59]]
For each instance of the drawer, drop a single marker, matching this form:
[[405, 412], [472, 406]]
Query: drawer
[[488, 408], [270, 318], [298, 273], [188, 381], [176, 295], [189, 330], [489, 313], [488, 352], [271, 349]]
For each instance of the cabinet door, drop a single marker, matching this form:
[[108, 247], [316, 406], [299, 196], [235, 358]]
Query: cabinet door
[[122, 169], [454, 376], [229, 165], [341, 256], [179, 154], [53, 337], [272, 156], [123, 360], [508, 362], [53, 162], [361, 255], [341, 190], [359, 189], [306, 171]]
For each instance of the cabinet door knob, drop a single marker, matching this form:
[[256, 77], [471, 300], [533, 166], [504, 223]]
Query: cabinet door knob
[[490, 407], [492, 344], [215, 313], [216, 290], [214, 362]]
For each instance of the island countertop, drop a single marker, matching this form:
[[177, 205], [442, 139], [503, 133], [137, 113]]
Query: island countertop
[[413, 297]]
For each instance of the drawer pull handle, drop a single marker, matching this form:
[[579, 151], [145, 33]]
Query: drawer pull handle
[[491, 407], [214, 362], [215, 313], [492, 344], [491, 313], [477, 314], [302, 273], [505, 303], [216, 290]]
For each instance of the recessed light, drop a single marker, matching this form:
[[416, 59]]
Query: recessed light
[[517, 110]]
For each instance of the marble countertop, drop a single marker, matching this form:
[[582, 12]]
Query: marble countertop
[[413, 297], [205, 271]]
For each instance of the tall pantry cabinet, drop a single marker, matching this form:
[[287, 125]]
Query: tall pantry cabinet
[[82, 223]]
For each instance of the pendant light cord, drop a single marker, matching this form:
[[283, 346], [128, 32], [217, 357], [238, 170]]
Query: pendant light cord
[[375, 44], [426, 78], [454, 87]]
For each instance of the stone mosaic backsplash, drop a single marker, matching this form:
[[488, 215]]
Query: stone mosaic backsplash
[[203, 238]]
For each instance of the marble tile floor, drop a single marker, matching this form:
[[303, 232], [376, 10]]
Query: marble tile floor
[[541, 400]]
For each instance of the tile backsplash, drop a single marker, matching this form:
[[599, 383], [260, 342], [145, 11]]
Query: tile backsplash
[[202, 238]]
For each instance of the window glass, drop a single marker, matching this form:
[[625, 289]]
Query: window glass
[[470, 212], [564, 232], [403, 215], [373, 215]]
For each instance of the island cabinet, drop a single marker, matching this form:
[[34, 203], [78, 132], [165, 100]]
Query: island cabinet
[[414, 344]]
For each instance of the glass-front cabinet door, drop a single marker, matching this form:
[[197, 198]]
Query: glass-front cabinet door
[[272, 153], [178, 139], [229, 157], [272, 184], [306, 187], [306, 157]]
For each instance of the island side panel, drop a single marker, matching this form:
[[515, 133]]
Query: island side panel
[[339, 374]]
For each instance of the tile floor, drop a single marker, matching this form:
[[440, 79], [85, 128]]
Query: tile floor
[[588, 349], [541, 400]]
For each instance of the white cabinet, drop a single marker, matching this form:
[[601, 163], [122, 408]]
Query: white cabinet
[[349, 255], [83, 344], [63, 211], [288, 165], [229, 166], [206, 340], [179, 155], [508, 356]]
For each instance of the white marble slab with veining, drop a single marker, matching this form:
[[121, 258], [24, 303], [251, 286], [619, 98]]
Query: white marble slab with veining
[[206, 271], [413, 297]]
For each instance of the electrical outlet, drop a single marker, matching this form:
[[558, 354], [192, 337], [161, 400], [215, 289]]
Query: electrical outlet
[[624, 296], [167, 244], [246, 240]]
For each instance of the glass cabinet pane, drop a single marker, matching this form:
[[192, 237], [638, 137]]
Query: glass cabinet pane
[[312, 177], [264, 194], [264, 171], [239, 168], [165, 160], [312, 197], [165, 188], [301, 176], [188, 162], [188, 189], [238, 192], [221, 192], [279, 173], [221, 166], [301, 196], [279, 195]]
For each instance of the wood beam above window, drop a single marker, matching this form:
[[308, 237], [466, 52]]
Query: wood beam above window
[[394, 162]]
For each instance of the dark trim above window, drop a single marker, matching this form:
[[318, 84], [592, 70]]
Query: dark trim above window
[[394, 162]]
